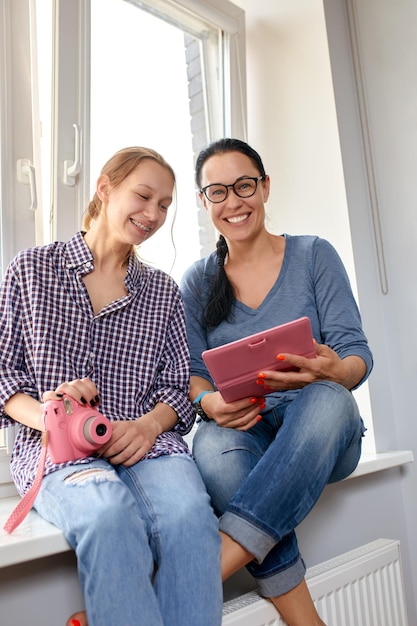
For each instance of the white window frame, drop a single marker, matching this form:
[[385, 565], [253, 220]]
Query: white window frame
[[19, 136], [72, 94]]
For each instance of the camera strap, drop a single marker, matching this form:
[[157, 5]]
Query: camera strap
[[22, 509]]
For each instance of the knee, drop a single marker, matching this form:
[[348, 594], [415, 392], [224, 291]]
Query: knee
[[346, 416], [102, 499], [335, 407], [338, 426]]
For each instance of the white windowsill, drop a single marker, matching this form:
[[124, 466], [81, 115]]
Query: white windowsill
[[35, 538], [371, 463]]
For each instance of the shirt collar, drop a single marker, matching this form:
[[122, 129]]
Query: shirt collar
[[77, 253], [79, 256]]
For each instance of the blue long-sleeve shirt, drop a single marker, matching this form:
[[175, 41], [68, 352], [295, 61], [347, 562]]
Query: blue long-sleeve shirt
[[312, 282]]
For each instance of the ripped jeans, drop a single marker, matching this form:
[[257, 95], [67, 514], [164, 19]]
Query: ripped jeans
[[145, 537], [264, 481]]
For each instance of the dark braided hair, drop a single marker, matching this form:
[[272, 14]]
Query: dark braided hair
[[222, 294]]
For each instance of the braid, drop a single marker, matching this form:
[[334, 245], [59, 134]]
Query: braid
[[221, 298], [222, 250]]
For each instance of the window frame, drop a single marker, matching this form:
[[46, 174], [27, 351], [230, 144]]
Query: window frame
[[72, 93], [19, 135]]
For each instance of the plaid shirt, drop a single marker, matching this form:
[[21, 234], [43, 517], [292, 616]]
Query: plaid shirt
[[135, 349]]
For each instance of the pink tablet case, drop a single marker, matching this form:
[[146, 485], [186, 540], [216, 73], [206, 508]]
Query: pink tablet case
[[235, 366]]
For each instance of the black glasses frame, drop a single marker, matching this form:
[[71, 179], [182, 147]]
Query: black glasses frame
[[256, 180]]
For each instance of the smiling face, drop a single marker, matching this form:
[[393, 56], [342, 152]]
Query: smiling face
[[136, 208], [235, 218]]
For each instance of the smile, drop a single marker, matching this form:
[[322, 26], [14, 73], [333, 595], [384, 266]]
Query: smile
[[145, 229], [238, 219]]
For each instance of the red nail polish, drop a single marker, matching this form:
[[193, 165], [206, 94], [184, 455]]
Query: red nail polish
[[260, 382], [253, 400], [75, 622], [258, 418], [280, 357], [261, 375]]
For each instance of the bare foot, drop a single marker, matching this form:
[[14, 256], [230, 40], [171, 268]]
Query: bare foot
[[77, 619]]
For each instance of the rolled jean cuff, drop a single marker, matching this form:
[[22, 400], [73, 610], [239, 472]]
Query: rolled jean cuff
[[251, 537], [283, 581], [259, 543]]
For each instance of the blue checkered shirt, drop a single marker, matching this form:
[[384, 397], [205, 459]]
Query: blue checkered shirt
[[135, 349]]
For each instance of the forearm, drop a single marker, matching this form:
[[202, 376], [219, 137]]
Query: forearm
[[355, 370], [25, 410], [162, 418]]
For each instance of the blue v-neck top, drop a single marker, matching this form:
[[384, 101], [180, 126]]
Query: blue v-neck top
[[312, 282]]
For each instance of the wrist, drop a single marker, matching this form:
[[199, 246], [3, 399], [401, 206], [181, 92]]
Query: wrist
[[42, 425], [161, 418], [200, 395], [197, 405]]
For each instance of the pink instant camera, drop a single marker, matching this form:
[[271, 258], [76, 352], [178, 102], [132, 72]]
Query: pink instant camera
[[74, 430]]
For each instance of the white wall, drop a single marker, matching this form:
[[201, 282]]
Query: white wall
[[292, 118], [43, 591], [310, 138]]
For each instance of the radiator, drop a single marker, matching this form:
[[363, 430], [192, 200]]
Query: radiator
[[363, 587]]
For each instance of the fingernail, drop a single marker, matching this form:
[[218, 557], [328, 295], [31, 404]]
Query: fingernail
[[280, 357], [258, 418], [83, 400], [59, 395], [253, 400], [261, 375], [97, 399], [75, 622], [260, 382], [92, 403]]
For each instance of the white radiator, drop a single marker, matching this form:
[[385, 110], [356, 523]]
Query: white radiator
[[362, 587]]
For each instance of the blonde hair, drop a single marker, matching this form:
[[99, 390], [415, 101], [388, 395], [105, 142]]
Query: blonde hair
[[117, 168]]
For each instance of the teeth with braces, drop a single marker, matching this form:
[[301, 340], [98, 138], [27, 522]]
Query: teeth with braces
[[141, 226]]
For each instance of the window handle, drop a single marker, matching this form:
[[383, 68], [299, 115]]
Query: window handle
[[26, 174], [72, 168]]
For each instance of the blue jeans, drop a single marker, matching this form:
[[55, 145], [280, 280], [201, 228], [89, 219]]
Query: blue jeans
[[146, 540], [263, 482]]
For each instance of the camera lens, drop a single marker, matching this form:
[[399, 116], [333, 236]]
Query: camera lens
[[101, 430]]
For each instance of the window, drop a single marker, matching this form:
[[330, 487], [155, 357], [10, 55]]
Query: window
[[169, 80]]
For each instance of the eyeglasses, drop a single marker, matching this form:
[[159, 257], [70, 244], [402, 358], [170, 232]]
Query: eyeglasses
[[244, 187]]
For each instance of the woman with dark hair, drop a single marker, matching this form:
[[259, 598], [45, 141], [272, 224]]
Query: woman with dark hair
[[88, 319], [266, 459]]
